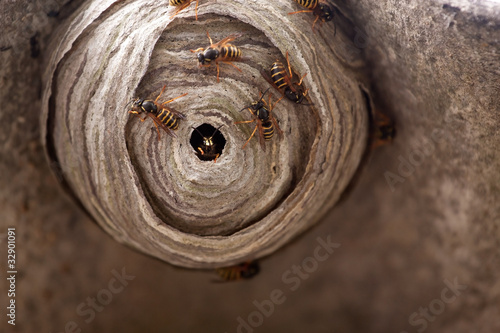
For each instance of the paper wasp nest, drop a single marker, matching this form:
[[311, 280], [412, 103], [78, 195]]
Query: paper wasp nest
[[158, 196]]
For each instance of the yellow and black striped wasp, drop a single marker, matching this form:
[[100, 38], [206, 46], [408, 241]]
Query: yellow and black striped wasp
[[265, 122], [219, 52], [242, 271], [163, 116], [208, 150], [183, 4], [319, 8], [281, 79]]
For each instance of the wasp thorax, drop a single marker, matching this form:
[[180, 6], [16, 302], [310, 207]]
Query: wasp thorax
[[149, 106], [263, 113], [211, 54]]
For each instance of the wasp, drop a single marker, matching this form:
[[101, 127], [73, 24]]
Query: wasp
[[183, 4], [281, 79], [321, 10], [265, 122], [383, 130], [219, 52], [163, 116], [208, 150], [242, 271]]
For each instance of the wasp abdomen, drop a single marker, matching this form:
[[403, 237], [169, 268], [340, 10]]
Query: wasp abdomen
[[176, 2], [230, 52], [311, 4], [268, 130], [277, 74], [168, 119]]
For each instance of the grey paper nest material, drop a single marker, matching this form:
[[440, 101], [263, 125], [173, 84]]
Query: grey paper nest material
[[157, 195]]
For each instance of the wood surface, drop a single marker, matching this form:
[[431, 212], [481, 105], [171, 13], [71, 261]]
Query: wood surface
[[432, 66]]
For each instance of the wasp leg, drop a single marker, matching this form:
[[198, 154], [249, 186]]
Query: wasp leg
[[253, 133], [135, 113], [251, 136], [161, 92], [198, 50], [244, 122], [210, 39], [279, 99], [196, 10], [173, 99], [181, 8], [289, 68], [226, 62], [316, 20], [302, 78], [230, 63], [157, 130], [301, 11]]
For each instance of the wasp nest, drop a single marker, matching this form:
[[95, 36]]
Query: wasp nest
[[158, 195]]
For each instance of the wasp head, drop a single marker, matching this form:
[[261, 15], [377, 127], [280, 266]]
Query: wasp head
[[137, 103], [201, 58], [207, 142], [325, 12], [250, 269], [295, 96]]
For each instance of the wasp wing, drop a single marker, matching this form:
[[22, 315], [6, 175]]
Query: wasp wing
[[277, 126], [261, 135], [226, 40], [159, 123]]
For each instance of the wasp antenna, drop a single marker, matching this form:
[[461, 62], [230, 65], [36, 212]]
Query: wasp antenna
[[129, 103], [264, 94], [216, 131], [197, 130]]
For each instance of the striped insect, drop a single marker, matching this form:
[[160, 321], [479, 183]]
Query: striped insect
[[219, 52], [182, 4], [242, 271], [282, 81], [163, 116], [208, 150], [265, 122], [320, 9]]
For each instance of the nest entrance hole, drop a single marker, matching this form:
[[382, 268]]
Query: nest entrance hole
[[207, 141]]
